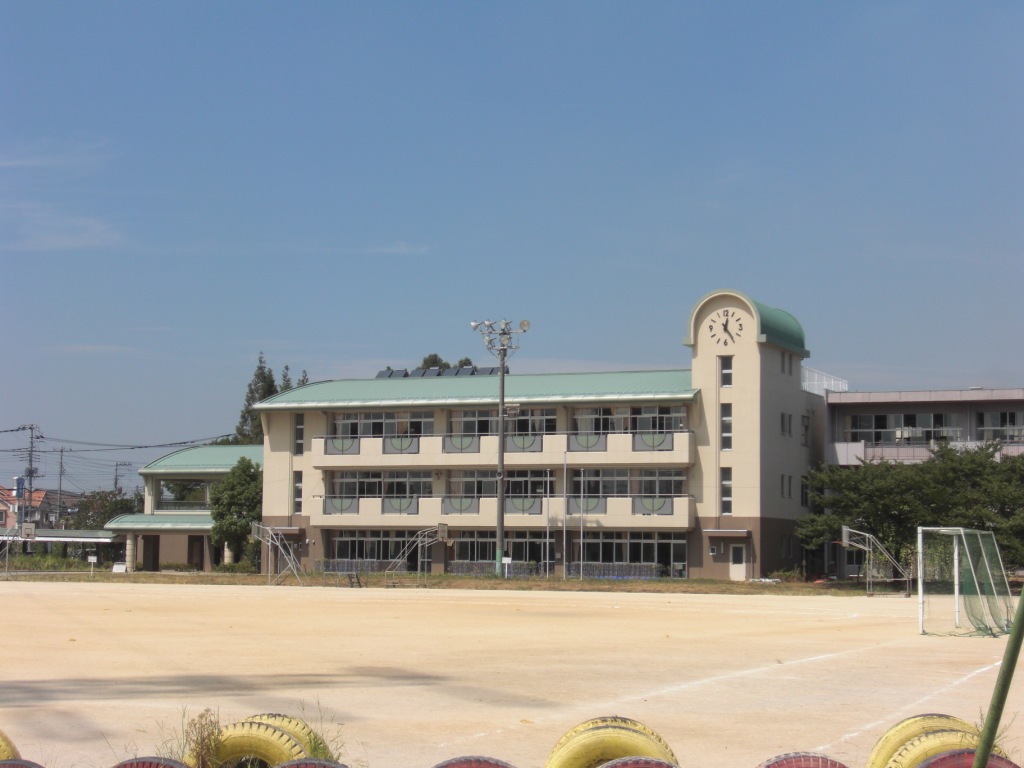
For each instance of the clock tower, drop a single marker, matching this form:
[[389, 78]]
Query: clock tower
[[754, 435]]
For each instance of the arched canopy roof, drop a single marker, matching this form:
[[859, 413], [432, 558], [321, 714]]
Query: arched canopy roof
[[774, 326]]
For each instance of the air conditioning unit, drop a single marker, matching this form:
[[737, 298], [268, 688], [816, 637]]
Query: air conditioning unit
[[712, 550]]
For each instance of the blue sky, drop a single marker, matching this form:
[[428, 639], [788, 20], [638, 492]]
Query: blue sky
[[346, 186]]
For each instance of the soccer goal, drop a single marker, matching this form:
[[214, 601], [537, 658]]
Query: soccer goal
[[882, 573], [961, 583]]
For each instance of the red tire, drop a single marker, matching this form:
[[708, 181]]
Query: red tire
[[964, 758], [473, 762], [638, 762], [802, 760], [150, 762], [17, 762], [311, 762]]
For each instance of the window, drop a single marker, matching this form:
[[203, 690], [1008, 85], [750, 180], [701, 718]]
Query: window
[[300, 429], [805, 429], [660, 482], [657, 418], [789, 487], [725, 371], [600, 483], [531, 421], [805, 493], [296, 493], [600, 421], [782, 486], [379, 424], [475, 546], [529, 483], [473, 483], [407, 484], [475, 423], [726, 418], [726, 490]]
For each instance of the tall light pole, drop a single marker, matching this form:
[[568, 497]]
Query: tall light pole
[[500, 339]]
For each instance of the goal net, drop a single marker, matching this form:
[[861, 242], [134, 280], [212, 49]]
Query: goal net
[[961, 584]]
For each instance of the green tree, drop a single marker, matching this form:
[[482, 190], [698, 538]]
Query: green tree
[[434, 360], [956, 488], [236, 502], [303, 379], [98, 508], [250, 429], [286, 380]]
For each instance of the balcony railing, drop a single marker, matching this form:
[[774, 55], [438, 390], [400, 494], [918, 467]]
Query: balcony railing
[[170, 505]]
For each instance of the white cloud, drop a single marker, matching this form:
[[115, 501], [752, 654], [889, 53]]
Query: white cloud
[[35, 227]]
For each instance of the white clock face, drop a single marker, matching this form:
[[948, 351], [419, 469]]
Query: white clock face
[[726, 326]]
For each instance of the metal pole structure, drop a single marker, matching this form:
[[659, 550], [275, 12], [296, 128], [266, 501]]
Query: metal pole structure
[[999, 693], [502, 356], [501, 342], [565, 516]]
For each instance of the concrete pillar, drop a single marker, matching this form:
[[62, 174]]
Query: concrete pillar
[[229, 556], [129, 552]]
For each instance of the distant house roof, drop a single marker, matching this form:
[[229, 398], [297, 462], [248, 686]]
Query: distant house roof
[[448, 391], [203, 459], [161, 523]]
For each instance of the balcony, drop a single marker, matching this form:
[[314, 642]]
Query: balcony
[[523, 450]]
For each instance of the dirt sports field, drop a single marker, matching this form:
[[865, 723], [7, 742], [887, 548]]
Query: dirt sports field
[[95, 673]]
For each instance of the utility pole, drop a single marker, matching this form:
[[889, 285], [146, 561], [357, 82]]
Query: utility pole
[[60, 482], [30, 473], [117, 468]]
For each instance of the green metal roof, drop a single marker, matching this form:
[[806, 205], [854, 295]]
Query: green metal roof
[[161, 523], [774, 326], [204, 459], [778, 327], [440, 391]]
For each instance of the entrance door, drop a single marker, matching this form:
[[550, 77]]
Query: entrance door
[[151, 553], [738, 562], [196, 548]]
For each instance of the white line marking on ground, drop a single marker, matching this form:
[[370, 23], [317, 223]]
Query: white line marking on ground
[[908, 710]]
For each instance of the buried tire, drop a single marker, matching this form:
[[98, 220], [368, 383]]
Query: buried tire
[[297, 729], [604, 739], [311, 762], [905, 730], [150, 762], [17, 762], [7, 749], [802, 760], [638, 762], [917, 751], [964, 758], [473, 762], [247, 739]]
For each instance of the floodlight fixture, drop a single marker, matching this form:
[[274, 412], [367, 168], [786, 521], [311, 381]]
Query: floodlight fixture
[[500, 342]]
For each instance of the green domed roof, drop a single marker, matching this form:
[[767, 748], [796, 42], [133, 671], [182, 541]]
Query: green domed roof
[[774, 326]]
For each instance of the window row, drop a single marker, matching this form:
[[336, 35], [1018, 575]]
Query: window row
[[530, 483], [520, 421]]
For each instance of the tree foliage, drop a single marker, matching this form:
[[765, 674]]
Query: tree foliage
[[434, 360], [249, 430], [98, 508], [236, 502], [973, 488]]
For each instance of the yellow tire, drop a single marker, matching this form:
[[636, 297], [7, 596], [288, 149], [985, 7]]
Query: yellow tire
[[298, 729], [920, 749], [604, 739], [264, 742], [7, 749], [906, 730]]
